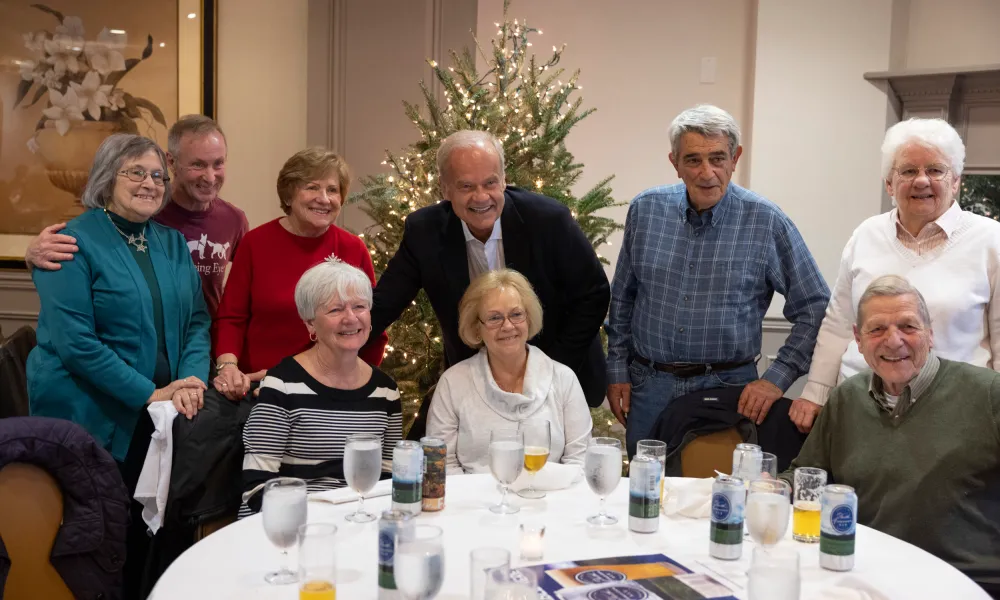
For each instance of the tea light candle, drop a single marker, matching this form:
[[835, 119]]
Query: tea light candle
[[532, 547]]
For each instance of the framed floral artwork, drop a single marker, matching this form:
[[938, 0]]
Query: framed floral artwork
[[71, 74]]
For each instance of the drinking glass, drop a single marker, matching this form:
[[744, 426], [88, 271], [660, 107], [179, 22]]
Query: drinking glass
[[769, 465], [418, 564], [809, 483], [657, 450], [768, 505], [537, 440], [774, 574], [362, 469], [511, 584], [318, 562], [283, 512], [746, 462], [481, 560], [506, 463], [602, 467]]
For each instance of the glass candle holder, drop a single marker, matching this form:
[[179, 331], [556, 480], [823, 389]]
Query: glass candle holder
[[532, 541]]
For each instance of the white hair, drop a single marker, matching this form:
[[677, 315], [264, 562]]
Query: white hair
[[468, 138], [892, 286], [707, 120], [329, 280], [932, 133]]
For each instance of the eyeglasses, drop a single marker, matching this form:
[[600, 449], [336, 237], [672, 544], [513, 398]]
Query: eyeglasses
[[138, 175], [495, 320], [933, 172]]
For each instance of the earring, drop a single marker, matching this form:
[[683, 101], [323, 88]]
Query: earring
[[312, 336]]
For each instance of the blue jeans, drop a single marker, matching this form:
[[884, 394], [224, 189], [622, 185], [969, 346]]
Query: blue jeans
[[653, 390]]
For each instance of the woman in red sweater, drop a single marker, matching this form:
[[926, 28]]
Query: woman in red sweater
[[258, 324]]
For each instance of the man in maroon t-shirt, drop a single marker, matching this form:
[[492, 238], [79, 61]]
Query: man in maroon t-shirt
[[196, 154]]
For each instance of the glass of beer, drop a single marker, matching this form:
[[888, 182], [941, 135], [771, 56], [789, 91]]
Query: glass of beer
[[809, 483], [658, 450], [537, 440], [318, 562]]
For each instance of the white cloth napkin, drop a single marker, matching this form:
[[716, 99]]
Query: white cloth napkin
[[852, 588], [346, 495], [688, 497], [553, 476], [154, 480]]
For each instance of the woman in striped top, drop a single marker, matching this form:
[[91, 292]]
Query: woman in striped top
[[310, 402]]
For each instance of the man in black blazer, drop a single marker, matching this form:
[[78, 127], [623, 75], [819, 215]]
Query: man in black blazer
[[484, 225]]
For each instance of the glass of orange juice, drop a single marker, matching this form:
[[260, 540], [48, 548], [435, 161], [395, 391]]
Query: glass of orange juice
[[318, 561]]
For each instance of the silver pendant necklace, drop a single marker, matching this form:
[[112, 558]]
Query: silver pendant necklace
[[139, 242]]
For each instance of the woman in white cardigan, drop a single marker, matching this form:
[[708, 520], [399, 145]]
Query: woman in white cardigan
[[508, 381], [950, 255]]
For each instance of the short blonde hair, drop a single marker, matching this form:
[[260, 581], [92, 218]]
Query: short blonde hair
[[309, 165], [472, 299]]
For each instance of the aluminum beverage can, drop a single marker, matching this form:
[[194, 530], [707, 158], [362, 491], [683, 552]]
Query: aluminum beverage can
[[407, 476], [838, 522], [644, 494], [729, 498], [389, 526], [435, 451]]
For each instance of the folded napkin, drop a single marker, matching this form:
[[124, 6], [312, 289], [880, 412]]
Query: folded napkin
[[851, 588], [154, 480], [553, 476], [346, 495], [688, 497]]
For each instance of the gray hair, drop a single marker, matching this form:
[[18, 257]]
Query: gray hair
[[193, 124], [892, 286], [468, 138], [109, 159], [933, 133], [332, 278], [707, 120]]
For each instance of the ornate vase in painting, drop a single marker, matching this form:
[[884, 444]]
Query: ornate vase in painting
[[67, 158]]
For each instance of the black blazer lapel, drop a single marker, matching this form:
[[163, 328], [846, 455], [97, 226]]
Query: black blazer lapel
[[454, 261], [516, 241]]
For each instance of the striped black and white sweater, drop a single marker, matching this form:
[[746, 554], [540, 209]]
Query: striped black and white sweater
[[299, 427]]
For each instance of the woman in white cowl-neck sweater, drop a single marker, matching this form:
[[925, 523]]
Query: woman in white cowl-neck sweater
[[508, 381]]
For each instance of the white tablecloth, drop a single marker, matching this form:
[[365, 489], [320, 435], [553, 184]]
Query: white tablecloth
[[231, 563]]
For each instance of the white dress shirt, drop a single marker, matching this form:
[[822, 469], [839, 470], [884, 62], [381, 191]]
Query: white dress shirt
[[487, 256]]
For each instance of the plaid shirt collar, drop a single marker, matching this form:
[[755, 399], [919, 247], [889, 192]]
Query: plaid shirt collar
[[712, 216], [911, 393]]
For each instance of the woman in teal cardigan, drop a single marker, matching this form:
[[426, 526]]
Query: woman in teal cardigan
[[124, 323]]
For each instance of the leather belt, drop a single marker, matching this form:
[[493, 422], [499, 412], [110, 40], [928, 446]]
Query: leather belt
[[685, 370]]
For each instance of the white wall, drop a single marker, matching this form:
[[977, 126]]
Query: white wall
[[262, 83], [953, 33], [640, 63], [818, 125]]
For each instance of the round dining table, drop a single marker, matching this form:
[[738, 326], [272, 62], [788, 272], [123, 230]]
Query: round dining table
[[230, 564]]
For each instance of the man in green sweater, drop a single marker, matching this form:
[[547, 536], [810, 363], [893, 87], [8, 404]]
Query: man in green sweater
[[918, 439]]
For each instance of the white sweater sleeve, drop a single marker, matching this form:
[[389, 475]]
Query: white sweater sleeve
[[835, 333], [993, 310], [577, 423], [442, 422]]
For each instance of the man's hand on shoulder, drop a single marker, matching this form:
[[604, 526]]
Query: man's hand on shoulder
[[50, 248]]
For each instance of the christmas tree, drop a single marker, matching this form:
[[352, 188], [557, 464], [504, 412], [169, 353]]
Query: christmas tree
[[981, 195], [531, 106]]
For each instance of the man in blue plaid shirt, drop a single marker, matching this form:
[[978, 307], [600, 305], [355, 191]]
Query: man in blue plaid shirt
[[697, 270]]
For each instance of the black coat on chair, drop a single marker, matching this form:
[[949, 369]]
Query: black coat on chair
[[543, 242], [707, 411]]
